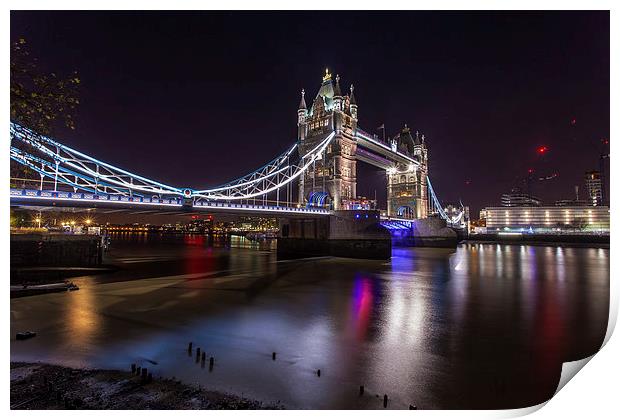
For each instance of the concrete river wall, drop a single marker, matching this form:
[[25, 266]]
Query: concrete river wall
[[55, 250]]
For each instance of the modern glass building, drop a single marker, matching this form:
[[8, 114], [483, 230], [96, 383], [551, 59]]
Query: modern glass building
[[594, 185], [565, 219], [518, 199]]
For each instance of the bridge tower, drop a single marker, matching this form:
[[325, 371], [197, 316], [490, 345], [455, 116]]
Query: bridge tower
[[331, 181], [407, 190]]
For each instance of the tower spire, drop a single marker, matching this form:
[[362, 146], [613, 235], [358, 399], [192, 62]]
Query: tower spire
[[327, 76], [352, 104], [337, 91], [302, 103]]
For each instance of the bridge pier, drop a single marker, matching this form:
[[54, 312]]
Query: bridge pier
[[430, 232], [345, 233]]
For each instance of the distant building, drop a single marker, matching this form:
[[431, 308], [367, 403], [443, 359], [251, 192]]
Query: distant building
[[573, 203], [516, 198], [594, 186], [556, 219]]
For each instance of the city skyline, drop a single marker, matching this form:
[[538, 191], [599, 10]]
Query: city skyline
[[249, 96]]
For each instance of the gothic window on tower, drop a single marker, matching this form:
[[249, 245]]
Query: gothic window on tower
[[347, 191]]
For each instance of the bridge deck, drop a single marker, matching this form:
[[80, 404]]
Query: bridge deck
[[366, 141], [27, 197]]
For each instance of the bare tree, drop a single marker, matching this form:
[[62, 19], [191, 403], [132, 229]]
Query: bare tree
[[39, 101]]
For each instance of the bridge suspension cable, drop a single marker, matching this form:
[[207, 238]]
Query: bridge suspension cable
[[437, 208], [67, 166], [79, 170], [270, 177]]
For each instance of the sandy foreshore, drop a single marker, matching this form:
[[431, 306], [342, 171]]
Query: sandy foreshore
[[41, 386]]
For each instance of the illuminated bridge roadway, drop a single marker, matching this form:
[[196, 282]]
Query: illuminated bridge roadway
[[68, 178]]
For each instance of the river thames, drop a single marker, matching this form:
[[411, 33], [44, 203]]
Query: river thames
[[482, 326]]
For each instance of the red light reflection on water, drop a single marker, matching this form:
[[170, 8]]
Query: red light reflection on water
[[362, 306], [194, 240], [198, 259]]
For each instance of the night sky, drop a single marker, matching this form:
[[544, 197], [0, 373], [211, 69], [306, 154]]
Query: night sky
[[198, 98]]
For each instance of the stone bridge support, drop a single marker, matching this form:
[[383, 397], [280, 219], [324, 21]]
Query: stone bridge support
[[345, 233]]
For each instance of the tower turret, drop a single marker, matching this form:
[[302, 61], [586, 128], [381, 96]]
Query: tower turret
[[334, 176], [337, 95], [407, 188], [302, 113], [353, 104]]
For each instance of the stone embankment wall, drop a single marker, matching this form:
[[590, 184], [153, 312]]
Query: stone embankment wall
[[55, 250]]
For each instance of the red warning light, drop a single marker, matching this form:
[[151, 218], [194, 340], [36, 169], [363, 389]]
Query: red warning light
[[573, 121], [542, 150], [530, 171]]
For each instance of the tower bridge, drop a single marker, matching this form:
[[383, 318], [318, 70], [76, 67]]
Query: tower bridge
[[315, 177], [332, 180]]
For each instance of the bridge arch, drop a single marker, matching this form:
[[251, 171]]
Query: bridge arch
[[405, 212], [318, 198]]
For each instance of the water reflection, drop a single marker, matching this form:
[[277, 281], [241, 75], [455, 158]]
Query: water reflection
[[84, 322], [362, 306], [485, 326]]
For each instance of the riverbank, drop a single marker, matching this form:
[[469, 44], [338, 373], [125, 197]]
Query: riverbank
[[572, 241], [536, 243], [38, 386]]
